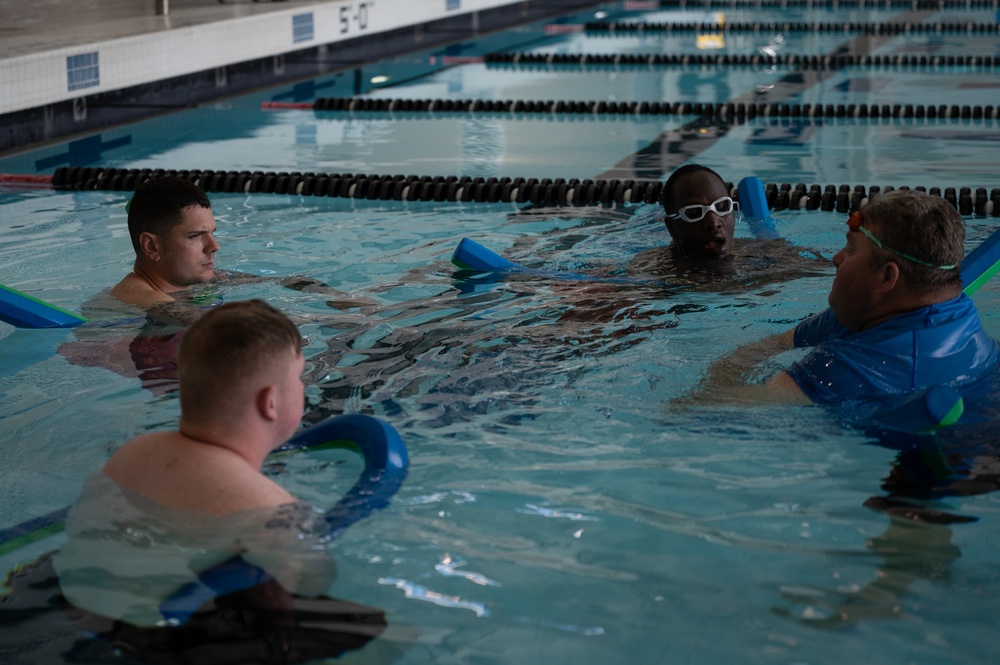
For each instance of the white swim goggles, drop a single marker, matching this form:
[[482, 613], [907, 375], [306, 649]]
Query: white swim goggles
[[696, 212]]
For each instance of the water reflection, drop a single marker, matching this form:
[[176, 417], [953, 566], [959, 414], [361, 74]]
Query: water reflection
[[140, 582], [926, 476], [261, 624]]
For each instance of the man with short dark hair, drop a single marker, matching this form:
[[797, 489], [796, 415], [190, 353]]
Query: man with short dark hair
[[172, 229], [699, 212]]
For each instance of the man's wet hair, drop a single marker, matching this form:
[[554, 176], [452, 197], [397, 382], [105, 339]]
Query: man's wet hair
[[226, 348], [924, 226], [158, 206]]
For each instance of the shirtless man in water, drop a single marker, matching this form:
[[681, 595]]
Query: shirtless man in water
[[172, 228], [704, 255], [241, 396], [699, 212], [231, 562]]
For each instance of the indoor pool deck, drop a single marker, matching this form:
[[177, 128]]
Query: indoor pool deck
[[68, 67], [45, 25], [37, 35]]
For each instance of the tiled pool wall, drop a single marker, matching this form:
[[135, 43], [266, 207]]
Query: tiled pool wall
[[72, 90]]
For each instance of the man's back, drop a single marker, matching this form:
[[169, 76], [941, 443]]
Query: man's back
[[177, 471]]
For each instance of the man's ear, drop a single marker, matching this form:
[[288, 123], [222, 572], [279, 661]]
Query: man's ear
[[267, 402], [888, 278], [670, 226], [150, 245]]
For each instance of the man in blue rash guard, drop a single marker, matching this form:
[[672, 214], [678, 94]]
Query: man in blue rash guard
[[897, 322]]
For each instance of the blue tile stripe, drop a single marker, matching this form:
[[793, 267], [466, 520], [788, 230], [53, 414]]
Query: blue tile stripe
[[82, 71], [302, 28]]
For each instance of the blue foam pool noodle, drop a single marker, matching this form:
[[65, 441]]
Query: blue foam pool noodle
[[753, 203], [470, 255], [981, 264], [386, 464], [23, 311]]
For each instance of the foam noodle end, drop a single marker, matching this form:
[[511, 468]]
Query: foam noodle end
[[470, 255]]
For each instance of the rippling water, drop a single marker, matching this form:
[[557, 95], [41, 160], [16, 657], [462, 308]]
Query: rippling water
[[562, 503]]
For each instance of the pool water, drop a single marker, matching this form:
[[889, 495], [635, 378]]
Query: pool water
[[564, 502]]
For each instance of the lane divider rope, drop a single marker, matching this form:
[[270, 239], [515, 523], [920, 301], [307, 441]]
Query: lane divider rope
[[542, 191], [539, 191], [914, 5], [638, 27], [723, 111], [819, 62]]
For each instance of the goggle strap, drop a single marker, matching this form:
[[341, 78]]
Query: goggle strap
[[854, 221]]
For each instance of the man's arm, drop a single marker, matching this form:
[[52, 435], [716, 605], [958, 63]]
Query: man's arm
[[299, 283], [782, 388], [166, 308], [182, 314], [293, 282], [729, 379]]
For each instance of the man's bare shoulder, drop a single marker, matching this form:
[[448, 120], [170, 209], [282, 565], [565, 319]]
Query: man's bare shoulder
[[177, 471], [159, 306], [131, 460], [134, 290]]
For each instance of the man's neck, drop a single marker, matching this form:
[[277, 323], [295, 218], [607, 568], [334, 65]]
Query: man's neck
[[249, 446], [154, 281], [908, 302]]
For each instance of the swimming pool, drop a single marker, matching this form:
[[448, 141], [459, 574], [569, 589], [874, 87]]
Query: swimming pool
[[559, 507]]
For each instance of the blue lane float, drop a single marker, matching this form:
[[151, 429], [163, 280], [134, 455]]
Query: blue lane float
[[386, 464], [23, 311]]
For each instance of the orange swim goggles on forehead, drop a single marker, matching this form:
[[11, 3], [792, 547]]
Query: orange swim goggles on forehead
[[854, 221]]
